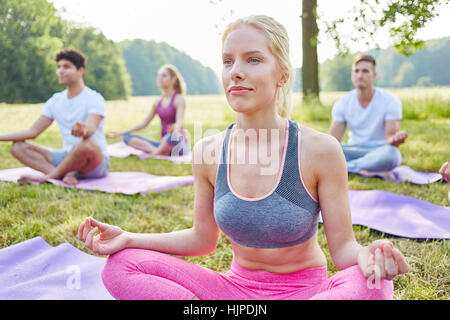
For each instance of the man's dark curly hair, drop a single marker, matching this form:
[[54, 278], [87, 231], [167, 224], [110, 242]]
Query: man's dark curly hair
[[74, 56]]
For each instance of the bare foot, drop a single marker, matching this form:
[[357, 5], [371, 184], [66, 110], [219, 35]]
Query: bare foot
[[70, 178], [30, 178], [386, 175]]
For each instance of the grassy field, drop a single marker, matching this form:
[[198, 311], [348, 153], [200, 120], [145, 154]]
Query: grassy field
[[54, 213]]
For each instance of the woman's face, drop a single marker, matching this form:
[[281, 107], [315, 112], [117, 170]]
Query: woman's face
[[165, 81], [250, 73]]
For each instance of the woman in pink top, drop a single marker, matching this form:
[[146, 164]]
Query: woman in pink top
[[170, 109]]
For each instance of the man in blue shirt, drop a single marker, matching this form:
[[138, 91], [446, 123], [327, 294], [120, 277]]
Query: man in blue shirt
[[79, 112], [373, 116]]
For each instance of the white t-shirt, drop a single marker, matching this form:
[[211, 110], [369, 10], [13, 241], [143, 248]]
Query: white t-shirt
[[67, 111], [367, 125]]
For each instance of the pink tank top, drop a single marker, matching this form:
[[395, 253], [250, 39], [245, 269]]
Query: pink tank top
[[166, 114]]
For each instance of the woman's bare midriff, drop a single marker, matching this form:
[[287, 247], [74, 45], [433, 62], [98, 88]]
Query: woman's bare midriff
[[280, 260]]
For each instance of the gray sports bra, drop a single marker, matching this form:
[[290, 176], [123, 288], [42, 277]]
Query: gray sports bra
[[286, 217]]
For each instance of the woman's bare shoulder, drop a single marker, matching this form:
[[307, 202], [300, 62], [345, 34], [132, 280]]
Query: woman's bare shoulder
[[317, 143], [206, 154], [321, 153], [179, 98]]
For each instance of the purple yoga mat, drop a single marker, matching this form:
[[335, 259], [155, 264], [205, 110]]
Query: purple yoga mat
[[405, 173], [115, 182], [399, 215], [122, 150], [34, 270]]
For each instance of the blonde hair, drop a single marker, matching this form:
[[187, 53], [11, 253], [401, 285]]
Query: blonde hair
[[180, 85], [278, 39]]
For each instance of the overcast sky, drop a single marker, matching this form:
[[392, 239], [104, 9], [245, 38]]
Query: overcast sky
[[194, 26]]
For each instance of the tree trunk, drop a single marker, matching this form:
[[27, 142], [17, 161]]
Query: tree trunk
[[310, 67]]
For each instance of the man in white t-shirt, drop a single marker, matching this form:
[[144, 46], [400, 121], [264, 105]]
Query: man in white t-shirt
[[79, 112], [373, 116]]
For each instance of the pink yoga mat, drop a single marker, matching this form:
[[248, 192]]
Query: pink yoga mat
[[115, 182], [122, 150]]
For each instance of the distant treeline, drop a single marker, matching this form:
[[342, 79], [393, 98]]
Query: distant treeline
[[426, 67], [144, 58], [32, 32]]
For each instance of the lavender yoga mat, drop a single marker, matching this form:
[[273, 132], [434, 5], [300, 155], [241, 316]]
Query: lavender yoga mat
[[122, 150], [405, 173], [115, 182], [399, 215], [34, 270]]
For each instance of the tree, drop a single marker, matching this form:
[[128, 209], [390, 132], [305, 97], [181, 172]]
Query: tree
[[31, 34], [423, 68], [403, 18], [29, 37], [310, 32], [105, 69], [405, 76], [424, 82], [335, 74], [144, 58]]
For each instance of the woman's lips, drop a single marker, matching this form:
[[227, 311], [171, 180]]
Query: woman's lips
[[239, 90]]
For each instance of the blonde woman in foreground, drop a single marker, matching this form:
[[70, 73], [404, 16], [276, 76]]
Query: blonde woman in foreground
[[268, 206]]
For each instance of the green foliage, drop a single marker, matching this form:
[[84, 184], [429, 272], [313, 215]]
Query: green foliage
[[402, 19], [426, 66], [424, 82], [144, 58], [429, 106], [415, 14], [405, 75], [310, 108], [423, 68], [335, 74], [30, 36], [105, 69]]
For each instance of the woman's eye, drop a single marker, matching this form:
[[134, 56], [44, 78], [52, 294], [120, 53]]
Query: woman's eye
[[254, 60], [227, 62]]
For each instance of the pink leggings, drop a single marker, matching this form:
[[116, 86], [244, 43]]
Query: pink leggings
[[144, 274]]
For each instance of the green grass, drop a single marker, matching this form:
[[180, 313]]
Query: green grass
[[54, 213]]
